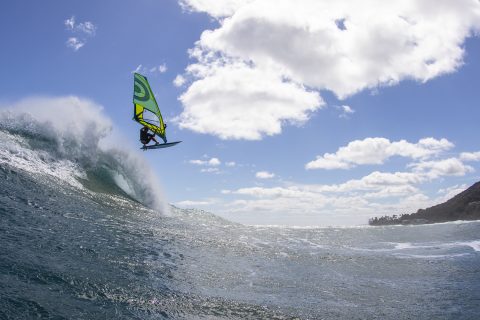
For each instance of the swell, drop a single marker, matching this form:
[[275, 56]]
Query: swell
[[70, 254]]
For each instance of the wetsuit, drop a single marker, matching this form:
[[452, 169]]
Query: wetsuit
[[145, 137]]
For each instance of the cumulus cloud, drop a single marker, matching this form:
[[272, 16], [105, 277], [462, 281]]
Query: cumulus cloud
[[342, 46], [373, 194], [377, 151], [295, 199], [470, 156], [81, 30], [216, 9], [377, 193], [264, 175], [445, 167], [237, 101]]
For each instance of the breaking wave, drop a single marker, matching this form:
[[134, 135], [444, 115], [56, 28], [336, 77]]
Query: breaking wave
[[66, 138]]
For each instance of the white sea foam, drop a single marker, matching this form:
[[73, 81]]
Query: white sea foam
[[408, 246], [14, 151], [474, 244], [432, 256], [275, 226]]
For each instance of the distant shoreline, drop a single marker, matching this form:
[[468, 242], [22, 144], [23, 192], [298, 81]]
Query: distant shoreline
[[463, 207], [460, 221]]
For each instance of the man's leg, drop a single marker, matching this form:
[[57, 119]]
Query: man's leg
[[152, 137]]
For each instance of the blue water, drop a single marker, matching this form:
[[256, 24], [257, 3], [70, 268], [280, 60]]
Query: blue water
[[79, 240]]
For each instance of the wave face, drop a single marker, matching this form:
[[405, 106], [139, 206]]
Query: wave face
[[84, 235]]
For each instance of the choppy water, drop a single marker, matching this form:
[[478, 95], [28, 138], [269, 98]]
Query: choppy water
[[76, 243]]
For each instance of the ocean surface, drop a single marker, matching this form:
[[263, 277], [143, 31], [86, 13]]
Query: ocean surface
[[83, 236]]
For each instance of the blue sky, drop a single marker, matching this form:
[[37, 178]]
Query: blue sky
[[323, 113]]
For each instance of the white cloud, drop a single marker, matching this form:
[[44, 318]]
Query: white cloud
[[210, 170], [179, 81], [346, 111], [470, 156], [377, 151], [392, 191], [213, 162], [236, 101], [150, 70], [276, 192], [264, 175], [74, 43], [193, 203], [198, 162], [216, 9], [138, 69], [445, 167], [160, 69], [452, 191], [342, 46], [378, 193], [381, 43], [70, 23], [86, 27], [81, 30], [295, 199]]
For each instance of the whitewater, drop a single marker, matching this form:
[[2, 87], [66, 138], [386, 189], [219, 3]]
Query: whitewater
[[85, 234]]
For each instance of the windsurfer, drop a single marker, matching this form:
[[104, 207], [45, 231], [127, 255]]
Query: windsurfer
[[146, 137]]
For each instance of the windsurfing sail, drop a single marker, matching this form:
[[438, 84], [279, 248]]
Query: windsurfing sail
[[145, 110]]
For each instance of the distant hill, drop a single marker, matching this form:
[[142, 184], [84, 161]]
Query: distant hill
[[464, 206]]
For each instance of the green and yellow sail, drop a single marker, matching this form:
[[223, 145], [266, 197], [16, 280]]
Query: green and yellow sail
[[146, 111]]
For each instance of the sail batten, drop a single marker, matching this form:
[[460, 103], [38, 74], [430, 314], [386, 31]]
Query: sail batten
[[144, 100]]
